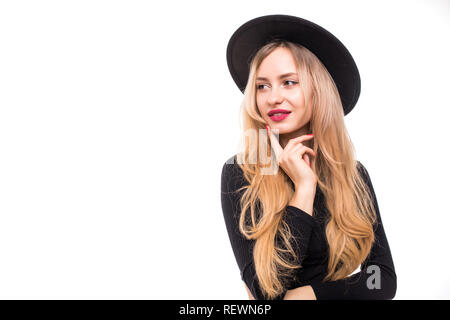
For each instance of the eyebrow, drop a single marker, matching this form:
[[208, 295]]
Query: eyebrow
[[279, 77]]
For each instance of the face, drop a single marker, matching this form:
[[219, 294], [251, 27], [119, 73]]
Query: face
[[277, 87]]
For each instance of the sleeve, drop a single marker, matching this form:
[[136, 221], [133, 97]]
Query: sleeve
[[301, 225], [377, 279]]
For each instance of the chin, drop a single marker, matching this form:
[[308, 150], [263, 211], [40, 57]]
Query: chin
[[283, 128]]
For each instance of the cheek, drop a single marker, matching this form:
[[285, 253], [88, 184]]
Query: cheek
[[299, 99], [260, 105]]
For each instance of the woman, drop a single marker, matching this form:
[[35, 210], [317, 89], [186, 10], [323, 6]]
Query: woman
[[304, 219]]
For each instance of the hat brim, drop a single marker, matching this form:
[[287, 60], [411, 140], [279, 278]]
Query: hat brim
[[251, 36]]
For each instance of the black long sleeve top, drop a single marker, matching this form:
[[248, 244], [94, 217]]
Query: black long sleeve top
[[375, 280]]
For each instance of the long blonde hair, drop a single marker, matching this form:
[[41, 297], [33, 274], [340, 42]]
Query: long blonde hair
[[349, 229]]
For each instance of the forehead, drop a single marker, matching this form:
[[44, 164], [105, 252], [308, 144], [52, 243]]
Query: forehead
[[279, 61]]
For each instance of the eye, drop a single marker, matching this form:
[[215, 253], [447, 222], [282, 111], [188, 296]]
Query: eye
[[293, 82], [260, 86]]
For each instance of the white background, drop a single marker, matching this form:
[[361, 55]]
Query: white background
[[116, 118]]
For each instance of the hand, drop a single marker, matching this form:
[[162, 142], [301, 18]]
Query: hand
[[294, 159]]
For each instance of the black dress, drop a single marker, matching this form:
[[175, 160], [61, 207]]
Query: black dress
[[376, 280]]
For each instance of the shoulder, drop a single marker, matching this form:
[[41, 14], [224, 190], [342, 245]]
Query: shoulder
[[360, 166], [232, 174], [231, 167], [232, 160], [363, 171]]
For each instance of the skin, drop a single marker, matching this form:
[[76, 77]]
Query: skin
[[285, 93], [276, 89]]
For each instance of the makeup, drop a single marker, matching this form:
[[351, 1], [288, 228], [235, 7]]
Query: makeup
[[279, 117]]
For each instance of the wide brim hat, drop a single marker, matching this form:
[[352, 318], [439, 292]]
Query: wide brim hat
[[252, 35]]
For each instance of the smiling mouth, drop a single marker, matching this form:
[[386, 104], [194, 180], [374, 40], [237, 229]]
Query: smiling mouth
[[279, 116], [278, 112]]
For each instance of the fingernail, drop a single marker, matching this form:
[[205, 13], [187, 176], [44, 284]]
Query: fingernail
[[268, 129], [310, 134]]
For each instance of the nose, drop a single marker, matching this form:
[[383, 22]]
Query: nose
[[276, 96]]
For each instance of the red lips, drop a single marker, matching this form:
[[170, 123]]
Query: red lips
[[272, 112]]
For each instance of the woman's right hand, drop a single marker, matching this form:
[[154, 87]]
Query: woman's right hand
[[294, 161]]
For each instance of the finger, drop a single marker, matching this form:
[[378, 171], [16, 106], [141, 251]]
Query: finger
[[296, 141], [306, 158], [302, 148], [274, 143], [300, 151], [302, 138]]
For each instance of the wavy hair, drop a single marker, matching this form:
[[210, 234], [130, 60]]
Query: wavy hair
[[349, 229]]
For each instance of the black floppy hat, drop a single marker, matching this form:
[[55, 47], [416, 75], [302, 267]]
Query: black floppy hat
[[252, 35]]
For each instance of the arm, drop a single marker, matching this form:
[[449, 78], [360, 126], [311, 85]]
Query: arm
[[377, 278], [300, 293], [301, 224], [250, 296]]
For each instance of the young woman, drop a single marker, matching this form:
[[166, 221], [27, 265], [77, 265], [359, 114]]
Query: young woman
[[304, 219]]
